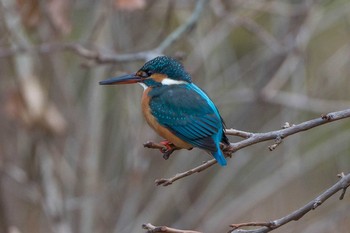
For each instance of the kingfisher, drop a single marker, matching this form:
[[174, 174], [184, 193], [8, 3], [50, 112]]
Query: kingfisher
[[176, 108]]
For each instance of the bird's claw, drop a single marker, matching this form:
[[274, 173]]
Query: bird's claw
[[168, 149], [167, 154]]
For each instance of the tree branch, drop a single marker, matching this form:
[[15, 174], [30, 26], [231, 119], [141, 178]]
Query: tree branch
[[254, 138], [153, 229], [342, 184]]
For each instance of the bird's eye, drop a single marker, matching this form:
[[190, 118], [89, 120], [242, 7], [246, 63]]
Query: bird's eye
[[142, 74]]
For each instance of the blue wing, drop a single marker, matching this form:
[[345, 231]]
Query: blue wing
[[189, 113]]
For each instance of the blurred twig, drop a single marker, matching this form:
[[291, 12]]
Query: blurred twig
[[287, 99], [277, 135], [262, 34], [102, 57], [170, 39], [52, 196], [342, 184]]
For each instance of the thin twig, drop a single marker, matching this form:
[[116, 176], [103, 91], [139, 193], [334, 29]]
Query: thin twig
[[169, 181], [254, 138], [153, 229], [251, 224], [154, 145], [342, 184], [278, 141], [238, 133]]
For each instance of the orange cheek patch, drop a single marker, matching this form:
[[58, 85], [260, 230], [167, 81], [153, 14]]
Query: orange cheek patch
[[158, 77]]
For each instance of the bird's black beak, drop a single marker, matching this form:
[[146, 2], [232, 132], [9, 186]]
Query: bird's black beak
[[125, 79]]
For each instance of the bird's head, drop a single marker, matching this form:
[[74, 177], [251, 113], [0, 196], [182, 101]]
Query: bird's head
[[159, 71]]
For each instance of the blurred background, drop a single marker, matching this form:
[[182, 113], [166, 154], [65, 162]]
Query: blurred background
[[71, 153]]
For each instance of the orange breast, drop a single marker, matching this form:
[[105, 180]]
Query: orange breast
[[161, 130]]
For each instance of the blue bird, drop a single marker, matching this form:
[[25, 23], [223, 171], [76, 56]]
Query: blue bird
[[176, 108]]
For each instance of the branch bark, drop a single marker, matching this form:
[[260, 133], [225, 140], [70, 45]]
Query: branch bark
[[153, 229]]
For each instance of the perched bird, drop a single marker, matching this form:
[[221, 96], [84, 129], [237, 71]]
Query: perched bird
[[176, 108]]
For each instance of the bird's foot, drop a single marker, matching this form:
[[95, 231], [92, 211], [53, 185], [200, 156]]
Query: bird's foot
[[165, 147], [227, 149], [168, 149]]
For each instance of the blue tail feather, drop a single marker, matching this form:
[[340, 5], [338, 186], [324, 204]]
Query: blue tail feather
[[220, 158]]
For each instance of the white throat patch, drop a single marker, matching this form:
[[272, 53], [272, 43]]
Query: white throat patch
[[168, 81], [143, 85]]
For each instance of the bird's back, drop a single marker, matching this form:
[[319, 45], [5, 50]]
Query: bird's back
[[189, 114]]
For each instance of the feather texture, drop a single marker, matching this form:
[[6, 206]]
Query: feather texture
[[188, 112]]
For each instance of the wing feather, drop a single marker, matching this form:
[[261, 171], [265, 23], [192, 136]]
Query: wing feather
[[187, 114]]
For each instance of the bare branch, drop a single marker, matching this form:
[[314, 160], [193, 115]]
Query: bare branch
[[251, 224], [278, 141], [283, 133], [239, 133], [254, 138], [169, 181], [153, 229], [342, 175], [342, 184], [154, 145]]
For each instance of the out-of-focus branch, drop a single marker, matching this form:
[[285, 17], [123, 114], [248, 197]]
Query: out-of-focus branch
[[153, 229], [183, 28], [342, 184], [286, 99], [254, 138], [52, 197], [91, 54], [102, 57], [259, 31]]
